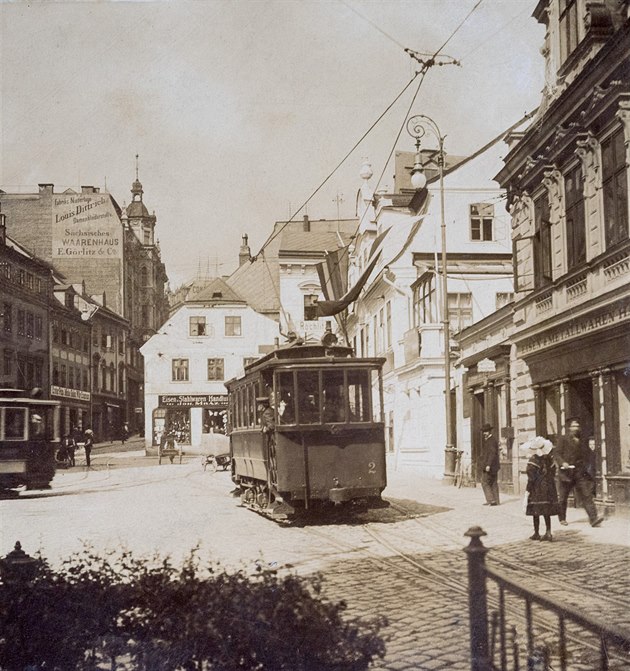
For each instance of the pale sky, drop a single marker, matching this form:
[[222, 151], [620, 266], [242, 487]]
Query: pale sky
[[239, 109]]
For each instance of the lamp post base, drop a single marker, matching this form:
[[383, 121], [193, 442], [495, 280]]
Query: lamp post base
[[450, 460]]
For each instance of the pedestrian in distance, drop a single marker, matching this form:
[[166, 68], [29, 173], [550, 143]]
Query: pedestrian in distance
[[70, 447], [88, 445], [489, 465], [124, 433], [571, 459], [542, 497]]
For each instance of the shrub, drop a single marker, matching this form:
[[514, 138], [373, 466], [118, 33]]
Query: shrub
[[117, 611]]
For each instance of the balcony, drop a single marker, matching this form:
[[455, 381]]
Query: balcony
[[423, 341]]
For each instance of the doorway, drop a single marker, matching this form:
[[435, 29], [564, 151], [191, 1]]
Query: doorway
[[580, 404]]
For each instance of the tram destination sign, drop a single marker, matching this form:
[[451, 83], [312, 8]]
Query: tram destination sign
[[192, 400]]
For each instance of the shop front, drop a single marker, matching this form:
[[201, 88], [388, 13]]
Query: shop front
[[198, 422], [75, 408], [581, 369], [487, 395]]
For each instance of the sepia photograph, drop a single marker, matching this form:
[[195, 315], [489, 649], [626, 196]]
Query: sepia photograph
[[314, 335]]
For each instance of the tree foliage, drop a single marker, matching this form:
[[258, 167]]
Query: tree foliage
[[117, 611]]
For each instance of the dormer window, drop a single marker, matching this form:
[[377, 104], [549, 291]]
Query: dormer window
[[568, 28]]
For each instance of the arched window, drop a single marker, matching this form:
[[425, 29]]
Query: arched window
[[144, 276], [112, 377]]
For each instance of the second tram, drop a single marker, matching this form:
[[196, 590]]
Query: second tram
[[306, 430], [29, 440]]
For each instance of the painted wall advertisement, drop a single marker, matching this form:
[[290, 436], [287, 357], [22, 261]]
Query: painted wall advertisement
[[85, 225]]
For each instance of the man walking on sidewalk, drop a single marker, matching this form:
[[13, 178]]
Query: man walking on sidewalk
[[489, 464], [571, 458]]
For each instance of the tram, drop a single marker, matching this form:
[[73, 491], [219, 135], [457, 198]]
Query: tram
[[29, 439], [306, 431]]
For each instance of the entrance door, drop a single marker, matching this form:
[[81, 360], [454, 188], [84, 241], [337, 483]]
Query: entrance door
[[580, 404]]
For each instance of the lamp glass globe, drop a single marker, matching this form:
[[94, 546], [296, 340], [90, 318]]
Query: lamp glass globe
[[418, 179]]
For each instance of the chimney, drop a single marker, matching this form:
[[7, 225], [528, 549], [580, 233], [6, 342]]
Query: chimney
[[46, 188], [307, 224], [244, 253], [88, 189]]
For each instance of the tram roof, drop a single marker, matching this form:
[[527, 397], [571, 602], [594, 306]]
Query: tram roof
[[23, 398], [311, 353]]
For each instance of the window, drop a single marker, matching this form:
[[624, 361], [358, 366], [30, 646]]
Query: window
[[85, 380], [481, 221], [7, 318], [38, 285], [308, 397], [30, 324], [460, 313], [542, 242], [568, 28], [388, 326], [144, 276], [197, 326], [180, 370], [215, 369], [14, 423], [146, 236], [574, 209], [121, 344], [70, 377], [615, 187], [55, 374], [21, 322], [62, 375], [503, 298], [5, 270], [21, 276], [7, 364], [310, 307], [29, 281], [233, 326], [426, 302]]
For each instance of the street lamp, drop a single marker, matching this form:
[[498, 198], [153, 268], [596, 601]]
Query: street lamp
[[417, 127]]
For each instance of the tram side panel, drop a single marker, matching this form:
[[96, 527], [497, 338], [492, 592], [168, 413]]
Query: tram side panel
[[248, 455]]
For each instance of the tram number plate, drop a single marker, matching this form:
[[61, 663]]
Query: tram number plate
[[12, 467]]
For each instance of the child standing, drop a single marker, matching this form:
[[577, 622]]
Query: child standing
[[541, 487]]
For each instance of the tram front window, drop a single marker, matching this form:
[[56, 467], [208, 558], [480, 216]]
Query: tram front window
[[333, 396], [14, 423], [308, 397], [359, 395]]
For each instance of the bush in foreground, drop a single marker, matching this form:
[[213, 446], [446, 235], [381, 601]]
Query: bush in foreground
[[116, 611]]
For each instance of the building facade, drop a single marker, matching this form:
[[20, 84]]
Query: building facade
[[399, 314], [25, 294], [208, 340], [567, 179]]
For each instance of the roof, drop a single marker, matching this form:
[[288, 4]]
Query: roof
[[296, 243], [215, 292], [137, 209]]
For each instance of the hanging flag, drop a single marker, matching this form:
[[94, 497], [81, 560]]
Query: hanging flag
[[332, 307], [333, 274]]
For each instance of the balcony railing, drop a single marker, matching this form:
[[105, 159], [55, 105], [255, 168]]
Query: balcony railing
[[539, 653]]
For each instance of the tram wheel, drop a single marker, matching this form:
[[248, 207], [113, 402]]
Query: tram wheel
[[262, 498]]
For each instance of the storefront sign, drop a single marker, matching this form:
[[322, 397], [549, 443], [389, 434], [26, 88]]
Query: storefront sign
[[76, 394], [577, 327], [85, 225], [192, 400]]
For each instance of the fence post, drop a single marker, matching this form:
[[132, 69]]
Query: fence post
[[477, 600]]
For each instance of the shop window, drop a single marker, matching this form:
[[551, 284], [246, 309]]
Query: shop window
[[233, 326], [575, 223], [197, 326], [215, 369], [542, 242], [568, 28], [460, 314], [214, 420], [481, 222], [615, 188], [310, 307], [180, 370], [623, 406], [7, 318]]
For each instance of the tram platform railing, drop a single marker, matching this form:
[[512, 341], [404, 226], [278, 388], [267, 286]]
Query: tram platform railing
[[548, 625]]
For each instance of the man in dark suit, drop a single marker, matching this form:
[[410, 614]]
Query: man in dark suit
[[571, 459], [489, 464]]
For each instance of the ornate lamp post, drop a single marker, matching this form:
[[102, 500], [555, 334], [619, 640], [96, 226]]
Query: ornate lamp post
[[417, 127]]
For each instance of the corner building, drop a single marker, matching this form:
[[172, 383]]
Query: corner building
[[567, 178]]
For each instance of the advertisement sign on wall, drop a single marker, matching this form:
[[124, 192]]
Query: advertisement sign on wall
[[85, 225]]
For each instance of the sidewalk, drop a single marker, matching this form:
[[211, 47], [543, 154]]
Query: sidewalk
[[504, 523]]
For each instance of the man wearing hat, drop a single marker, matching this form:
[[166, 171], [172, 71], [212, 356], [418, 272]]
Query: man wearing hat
[[267, 416], [88, 444], [489, 466]]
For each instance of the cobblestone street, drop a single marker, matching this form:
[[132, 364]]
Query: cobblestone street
[[405, 562]]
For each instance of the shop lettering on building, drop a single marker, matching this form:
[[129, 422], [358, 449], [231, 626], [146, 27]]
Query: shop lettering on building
[[192, 400]]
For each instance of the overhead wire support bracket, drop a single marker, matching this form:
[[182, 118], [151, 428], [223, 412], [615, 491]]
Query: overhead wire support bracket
[[429, 60]]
